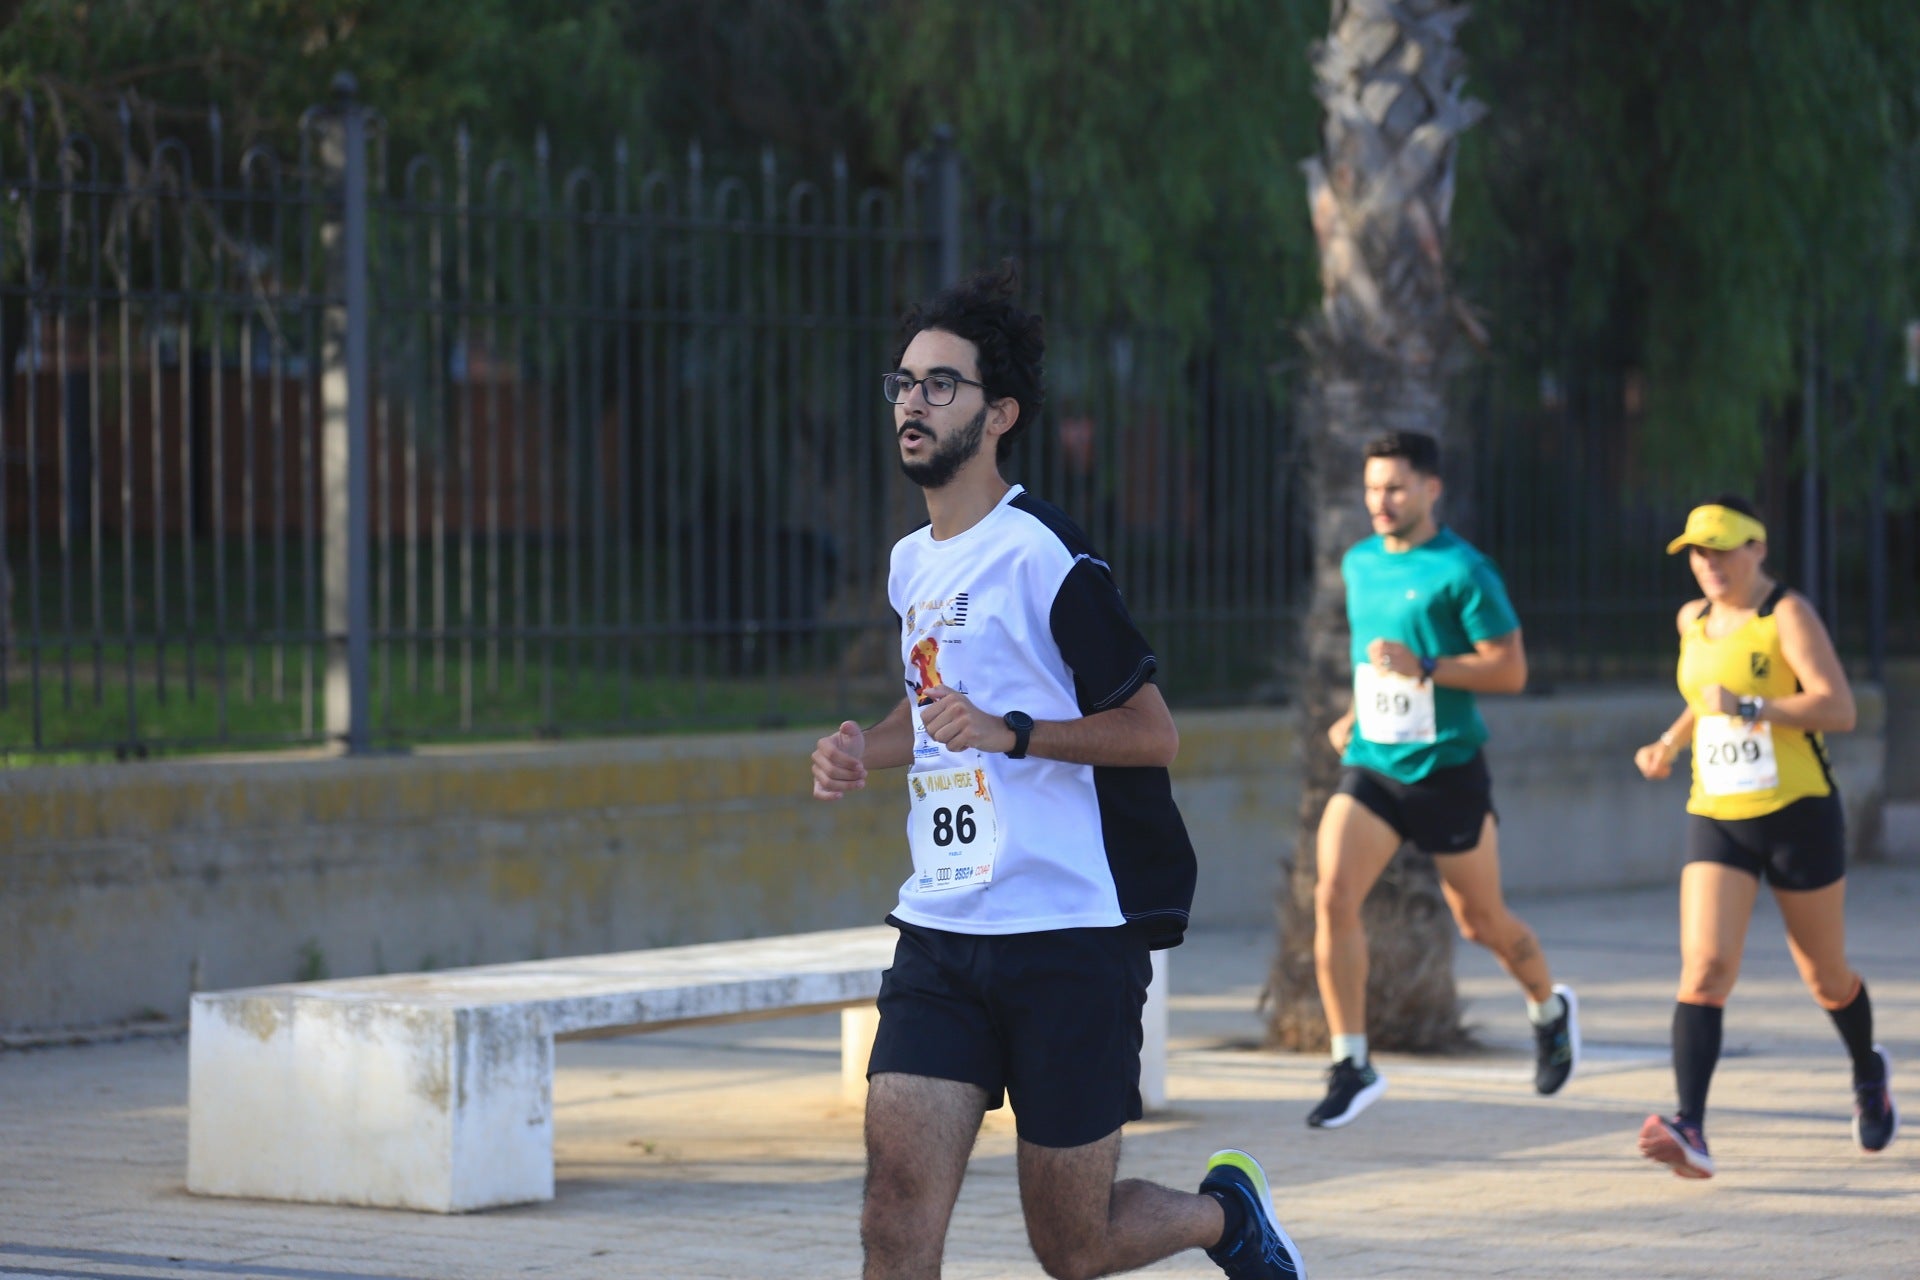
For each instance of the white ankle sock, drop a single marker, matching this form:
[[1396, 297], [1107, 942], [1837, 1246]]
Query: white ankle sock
[[1546, 1010], [1354, 1047]]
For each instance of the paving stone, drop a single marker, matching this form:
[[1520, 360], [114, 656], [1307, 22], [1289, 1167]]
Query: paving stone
[[727, 1151]]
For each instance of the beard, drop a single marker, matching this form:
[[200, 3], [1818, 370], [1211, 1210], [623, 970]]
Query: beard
[[949, 454], [1403, 524]]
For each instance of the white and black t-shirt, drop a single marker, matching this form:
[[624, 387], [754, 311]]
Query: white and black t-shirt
[[1019, 613]]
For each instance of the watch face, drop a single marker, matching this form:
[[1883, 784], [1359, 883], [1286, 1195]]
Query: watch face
[[1022, 725]]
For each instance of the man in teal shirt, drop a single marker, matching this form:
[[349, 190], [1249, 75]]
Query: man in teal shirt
[[1432, 627]]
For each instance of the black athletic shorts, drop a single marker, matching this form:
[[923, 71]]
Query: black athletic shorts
[[1050, 1020], [1442, 813], [1803, 846]]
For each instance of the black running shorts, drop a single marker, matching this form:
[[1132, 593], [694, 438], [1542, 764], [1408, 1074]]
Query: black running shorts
[[1442, 813], [1800, 847], [1049, 1020]]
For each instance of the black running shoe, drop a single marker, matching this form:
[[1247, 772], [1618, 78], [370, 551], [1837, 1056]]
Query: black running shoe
[[1678, 1144], [1350, 1090], [1875, 1118], [1556, 1053], [1262, 1249]]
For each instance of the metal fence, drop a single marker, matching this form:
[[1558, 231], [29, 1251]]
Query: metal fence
[[1561, 489], [321, 446]]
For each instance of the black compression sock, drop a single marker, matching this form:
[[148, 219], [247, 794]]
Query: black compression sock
[[1235, 1214], [1855, 1023], [1696, 1051]]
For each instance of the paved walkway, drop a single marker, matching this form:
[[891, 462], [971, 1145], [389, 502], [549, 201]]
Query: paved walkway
[[726, 1152]]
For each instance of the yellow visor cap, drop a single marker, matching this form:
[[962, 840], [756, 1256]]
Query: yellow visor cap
[[1721, 528]]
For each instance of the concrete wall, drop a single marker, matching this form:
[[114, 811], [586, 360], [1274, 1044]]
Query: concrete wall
[[1903, 730], [123, 887]]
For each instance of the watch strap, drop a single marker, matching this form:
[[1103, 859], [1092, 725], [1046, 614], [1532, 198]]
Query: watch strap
[[1022, 725]]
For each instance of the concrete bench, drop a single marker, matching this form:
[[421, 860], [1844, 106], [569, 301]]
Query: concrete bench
[[434, 1091]]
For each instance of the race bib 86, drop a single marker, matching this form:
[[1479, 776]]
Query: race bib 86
[[953, 828]]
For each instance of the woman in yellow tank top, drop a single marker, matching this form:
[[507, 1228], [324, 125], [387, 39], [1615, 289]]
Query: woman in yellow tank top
[[1762, 685]]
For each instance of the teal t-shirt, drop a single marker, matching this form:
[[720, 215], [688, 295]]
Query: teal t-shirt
[[1438, 599]]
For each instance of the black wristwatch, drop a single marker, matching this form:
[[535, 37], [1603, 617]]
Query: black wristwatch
[[1022, 725]]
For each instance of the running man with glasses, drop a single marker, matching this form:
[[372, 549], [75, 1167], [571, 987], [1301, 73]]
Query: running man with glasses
[[1048, 857]]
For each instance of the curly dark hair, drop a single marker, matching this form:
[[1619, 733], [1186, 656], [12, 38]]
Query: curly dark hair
[[1011, 341]]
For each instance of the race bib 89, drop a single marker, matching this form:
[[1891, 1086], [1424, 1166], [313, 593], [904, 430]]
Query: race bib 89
[[1392, 708]]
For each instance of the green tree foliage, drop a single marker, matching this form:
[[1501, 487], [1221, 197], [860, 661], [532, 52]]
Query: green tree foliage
[[1679, 190], [740, 75], [1173, 132], [497, 66], [1671, 191]]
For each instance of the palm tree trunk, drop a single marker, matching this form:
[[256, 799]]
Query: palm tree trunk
[[1381, 195]]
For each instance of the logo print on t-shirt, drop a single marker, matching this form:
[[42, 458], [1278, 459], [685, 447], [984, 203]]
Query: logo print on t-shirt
[[925, 657], [1760, 664]]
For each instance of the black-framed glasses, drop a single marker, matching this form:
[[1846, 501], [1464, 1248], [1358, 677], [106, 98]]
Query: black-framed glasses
[[938, 388]]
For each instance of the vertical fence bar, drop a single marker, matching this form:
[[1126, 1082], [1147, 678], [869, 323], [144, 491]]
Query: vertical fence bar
[[189, 513], [461, 451], [580, 228], [218, 279], [312, 192], [344, 390], [840, 306], [402, 333], [96, 360], [621, 668], [1876, 514], [572, 312], [656, 573], [67, 414], [521, 286], [1810, 476], [473, 381], [126, 446], [497, 354], [6, 547], [156, 399], [598, 459], [948, 201], [29, 338], [249, 429], [691, 600], [1839, 428], [540, 223]]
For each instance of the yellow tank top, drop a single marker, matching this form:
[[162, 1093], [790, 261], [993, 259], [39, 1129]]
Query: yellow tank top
[[1741, 771]]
